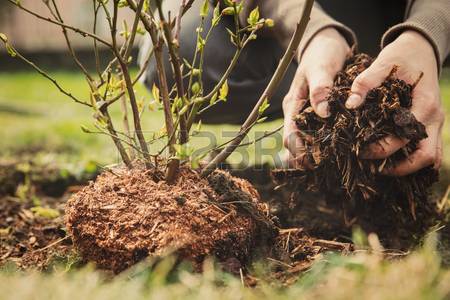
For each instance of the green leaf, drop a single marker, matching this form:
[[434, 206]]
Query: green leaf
[[216, 17], [260, 120], [253, 18], [183, 110], [204, 9], [177, 104], [229, 3], [183, 151], [195, 88], [3, 37], [45, 212], [265, 105], [200, 43], [199, 126], [123, 3], [140, 30], [146, 5], [195, 72], [10, 50], [213, 99], [85, 129], [155, 93], [229, 11], [269, 23], [223, 92]]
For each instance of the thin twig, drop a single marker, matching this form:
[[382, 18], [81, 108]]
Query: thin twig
[[57, 16], [46, 75], [77, 30], [129, 86], [176, 68], [52, 244], [268, 92]]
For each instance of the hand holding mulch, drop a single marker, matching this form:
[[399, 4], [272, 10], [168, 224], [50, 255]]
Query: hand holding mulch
[[334, 145]]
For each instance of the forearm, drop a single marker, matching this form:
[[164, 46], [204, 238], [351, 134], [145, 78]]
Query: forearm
[[432, 20]]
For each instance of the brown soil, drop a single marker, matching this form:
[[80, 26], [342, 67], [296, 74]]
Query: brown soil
[[348, 190], [29, 241], [125, 216]]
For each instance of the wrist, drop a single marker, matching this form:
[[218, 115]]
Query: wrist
[[416, 40], [331, 33]]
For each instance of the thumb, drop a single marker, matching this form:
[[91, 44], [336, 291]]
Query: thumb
[[371, 78]]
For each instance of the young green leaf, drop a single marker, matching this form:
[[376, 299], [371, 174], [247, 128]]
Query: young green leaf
[[229, 2], [10, 50], [204, 9], [183, 110], [228, 11], [3, 37], [183, 151], [85, 129], [199, 126], [269, 23], [155, 93], [195, 72], [253, 18], [223, 92], [260, 120], [195, 88], [265, 105], [146, 5], [213, 99], [123, 3], [216, 17]]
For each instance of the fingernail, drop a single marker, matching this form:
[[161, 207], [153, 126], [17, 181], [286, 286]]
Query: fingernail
[[353, 101], [322, 109]]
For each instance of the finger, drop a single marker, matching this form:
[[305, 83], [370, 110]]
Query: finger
[[423, 157], [292, 104], [371, 78], [383, 148], [293, 142], [439, 152], [320, 84]]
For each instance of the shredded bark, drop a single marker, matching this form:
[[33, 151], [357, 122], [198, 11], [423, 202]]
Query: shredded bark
[[125, 216]]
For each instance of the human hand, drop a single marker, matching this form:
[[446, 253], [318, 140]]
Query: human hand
[[413, 54], [322, 59]]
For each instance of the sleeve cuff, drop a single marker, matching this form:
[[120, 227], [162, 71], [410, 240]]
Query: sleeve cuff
[[390, 35], [315, 27]]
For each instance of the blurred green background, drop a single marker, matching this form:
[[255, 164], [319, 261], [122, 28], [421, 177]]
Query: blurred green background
[[36, 119]]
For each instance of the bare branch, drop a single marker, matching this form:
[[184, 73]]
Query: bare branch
[[130, 90], [77, 30], [268, 92], [176, 68], [46, 75], [57, 16]]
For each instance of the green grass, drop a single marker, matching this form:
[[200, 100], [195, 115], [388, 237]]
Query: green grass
[[34, 115], [364, 275]]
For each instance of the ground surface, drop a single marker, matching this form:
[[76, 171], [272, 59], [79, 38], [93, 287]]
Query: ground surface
[[43, 143]]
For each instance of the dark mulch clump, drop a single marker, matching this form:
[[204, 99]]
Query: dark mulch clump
[[353, 185], [125, 216]]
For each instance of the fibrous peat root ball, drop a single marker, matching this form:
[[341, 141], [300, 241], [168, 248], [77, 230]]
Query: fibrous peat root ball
[[125, 216], [334, 144]]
